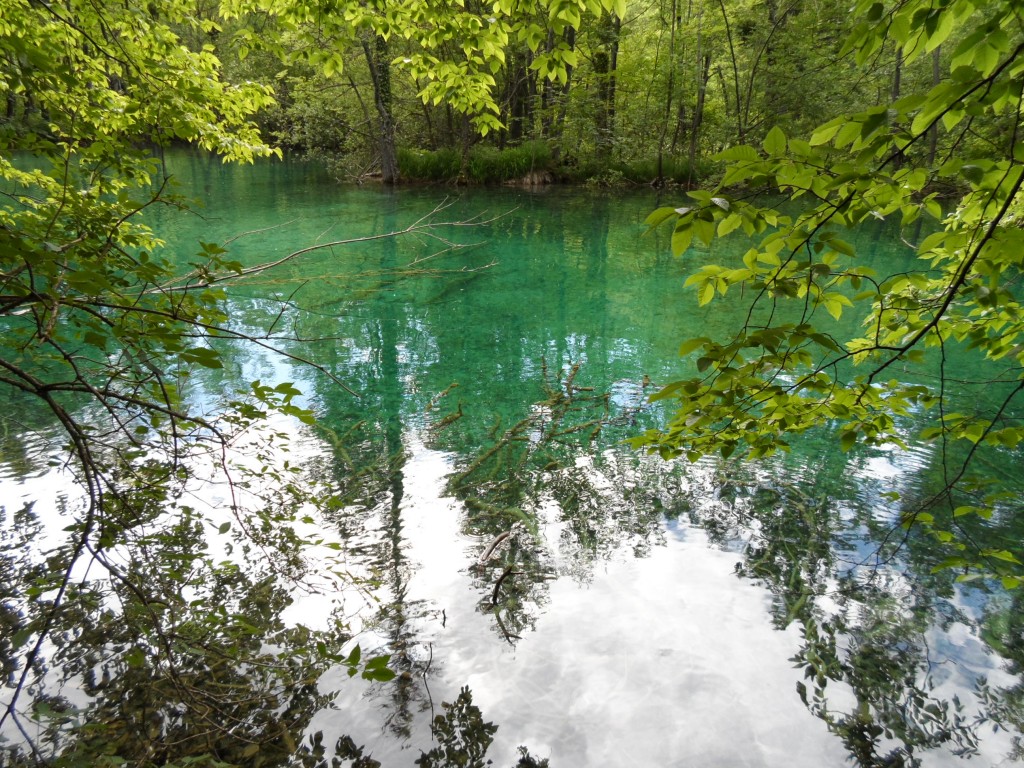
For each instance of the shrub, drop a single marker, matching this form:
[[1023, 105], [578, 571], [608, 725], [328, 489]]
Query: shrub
[[676, 170], [424, 165], [484, 164]]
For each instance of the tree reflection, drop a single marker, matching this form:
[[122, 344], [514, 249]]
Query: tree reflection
[[199, 669], [534, 473], [865, 653], [888, 665], [1003, 629], [533, 439], [463, 738]]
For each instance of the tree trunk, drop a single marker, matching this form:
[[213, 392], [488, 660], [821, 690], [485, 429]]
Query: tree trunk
[[933, 132], [613, 56], [547, 94], [897, 76], [563, 99], [698, 114], [703, 75], [377, 59], [681, 129], [605, 62], [741, 133], [518, 95], [670, 93]]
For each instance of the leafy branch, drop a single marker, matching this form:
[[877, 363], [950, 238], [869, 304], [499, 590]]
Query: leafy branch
[[785, 370]]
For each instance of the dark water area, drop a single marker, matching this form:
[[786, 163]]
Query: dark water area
[[640, 612]]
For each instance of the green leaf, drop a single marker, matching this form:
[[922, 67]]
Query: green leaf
[[945, 25], [972, 173], [707, 293], [691, 345], [841, 246], [729, 223], [848, 133], [826, 133], [847, 440], [704, 229], [19, 638], [377, 662], [212, 249], [950, 562], [135, 658], [834, 303], [1001, 554], [204, 356], [775, 142], [740, 152], [659, 216], [376, 669], [682, 236]]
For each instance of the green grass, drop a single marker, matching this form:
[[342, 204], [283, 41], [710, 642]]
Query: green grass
[[484, 164], [601, 173], [674, 170], [424, 165], [490, 165]]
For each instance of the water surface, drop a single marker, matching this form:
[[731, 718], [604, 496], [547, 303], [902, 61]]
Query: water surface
[[649, 614]]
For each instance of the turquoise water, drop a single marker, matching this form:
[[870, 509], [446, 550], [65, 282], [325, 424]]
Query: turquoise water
[[641, 613]]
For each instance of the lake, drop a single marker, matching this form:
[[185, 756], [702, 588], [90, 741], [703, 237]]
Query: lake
[[638, 612]]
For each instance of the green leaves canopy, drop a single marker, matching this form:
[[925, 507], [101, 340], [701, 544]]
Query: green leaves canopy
[[785, 370], [104, 333], [460, 47]]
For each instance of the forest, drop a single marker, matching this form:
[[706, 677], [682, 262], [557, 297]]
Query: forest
[[644, 94], [216, 442]]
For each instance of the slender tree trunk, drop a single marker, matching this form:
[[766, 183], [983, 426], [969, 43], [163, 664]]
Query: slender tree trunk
[[681, 127], [547, 94], [362, 104], [933, 132], [378, 61], [518, 94], [767, 54], [431, 137], [601, 69], [703, 75], [674, 24], [897, 77], [740, 128], [449, 121], [613, 55], [563, 98], [698, 115], [605, 62]]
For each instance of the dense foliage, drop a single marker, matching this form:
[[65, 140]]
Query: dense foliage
[[149, 592], [793, 366], [147, 587], [618, 92], [140, 588]]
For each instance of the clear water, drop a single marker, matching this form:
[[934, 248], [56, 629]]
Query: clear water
[[654, 614]]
